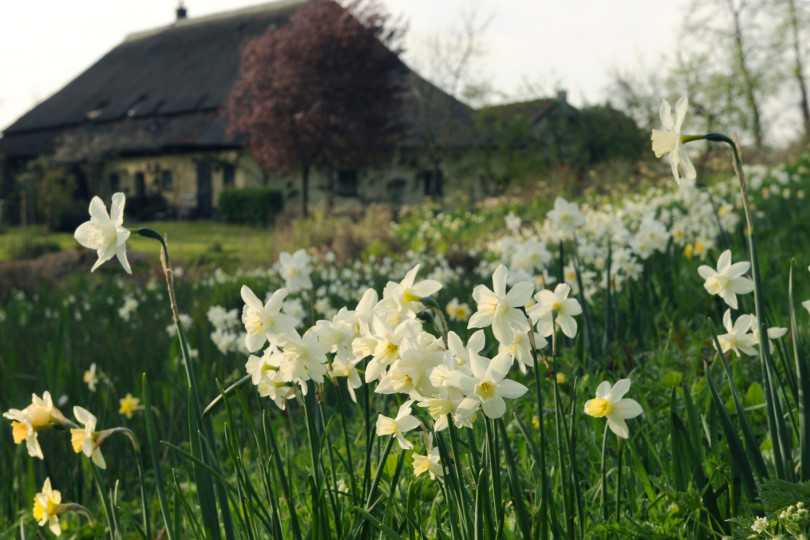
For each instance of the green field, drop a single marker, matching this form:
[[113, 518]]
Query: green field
[[292, 442]]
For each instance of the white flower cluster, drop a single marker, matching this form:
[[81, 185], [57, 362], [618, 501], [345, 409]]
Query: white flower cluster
[[450, 380], [227, 335]]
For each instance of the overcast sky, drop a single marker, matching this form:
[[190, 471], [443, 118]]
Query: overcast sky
[[574, 44]]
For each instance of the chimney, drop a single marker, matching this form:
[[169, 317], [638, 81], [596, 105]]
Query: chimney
[[182, 13], [562, 96]]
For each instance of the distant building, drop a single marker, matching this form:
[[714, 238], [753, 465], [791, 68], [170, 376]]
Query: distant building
[[147, 119]]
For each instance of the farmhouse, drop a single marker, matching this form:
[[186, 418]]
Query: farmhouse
[[147, 119]]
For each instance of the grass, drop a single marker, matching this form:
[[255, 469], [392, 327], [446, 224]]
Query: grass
[[196, 243], [246, 469]]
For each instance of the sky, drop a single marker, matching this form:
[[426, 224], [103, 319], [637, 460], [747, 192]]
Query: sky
[[541, 44]]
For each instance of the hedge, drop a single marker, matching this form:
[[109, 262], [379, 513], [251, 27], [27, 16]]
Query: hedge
[[249, 205]]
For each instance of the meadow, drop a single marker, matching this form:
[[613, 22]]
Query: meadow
[[587, 370]]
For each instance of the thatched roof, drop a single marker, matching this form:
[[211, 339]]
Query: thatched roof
[[163, 89], [168, 81]]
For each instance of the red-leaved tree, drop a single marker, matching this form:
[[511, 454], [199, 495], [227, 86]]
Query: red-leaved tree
[[324, 90]]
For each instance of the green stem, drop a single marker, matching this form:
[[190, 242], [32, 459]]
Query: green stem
[[378, 474], [779, 437], [618, 476], [541, 462], [105, 498], [603, 471]]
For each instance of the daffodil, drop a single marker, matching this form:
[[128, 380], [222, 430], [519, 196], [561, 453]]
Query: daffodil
[[403, 423], [486, 387], [774, 332], [430, 463], [669, 140], [555, 306], [521, 348], [296, 270], [500, 309], [303, 358], [457, 311], [105, 232], [403, 300], [40, 414], [128, 405], [91, 378], [265, 322], [611, 404], [728, 280], [737, 337], [86, 440], [566, 216], [47, 506]]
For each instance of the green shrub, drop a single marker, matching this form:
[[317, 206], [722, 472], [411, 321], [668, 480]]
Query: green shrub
[[146, 207], [249, 205]]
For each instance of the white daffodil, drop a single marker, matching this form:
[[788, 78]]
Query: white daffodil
[[259, 366], [403, 423], [348, 369], [457, 311], [105, 232], [403, 300], [296, 270], [487, 386], [382, 342], [410, 373], [91, 377], [39, 415], [557, 306], [47, 506], [501, 309], [521, 348], [668, 141], [430, 463], [611, 403], [727, 281], [265, 322], [303, 358], [774, 332], [84, 440], [566, 216], [737, 337]]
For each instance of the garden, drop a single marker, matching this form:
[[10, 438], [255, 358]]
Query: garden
[[627, 365]]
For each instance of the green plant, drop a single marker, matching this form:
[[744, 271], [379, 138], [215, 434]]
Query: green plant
[[249, 205]]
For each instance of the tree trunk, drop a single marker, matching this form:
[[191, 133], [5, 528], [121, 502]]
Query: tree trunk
[[304, 190], [750, 95], [798, 69]]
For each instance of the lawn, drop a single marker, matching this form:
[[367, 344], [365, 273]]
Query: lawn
[[192, 242]]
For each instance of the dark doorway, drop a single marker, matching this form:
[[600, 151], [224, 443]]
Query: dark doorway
[[204, 195]]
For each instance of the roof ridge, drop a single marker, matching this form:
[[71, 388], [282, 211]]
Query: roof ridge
[[277, 5]]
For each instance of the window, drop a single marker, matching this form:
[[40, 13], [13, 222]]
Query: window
[[228, 175], [140, 184], [347, 183], [167, 179], [115, 182], [432, 181]]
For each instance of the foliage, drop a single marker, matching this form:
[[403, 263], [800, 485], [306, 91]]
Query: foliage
[[146, 207], [328, 85], [249, 205], [51, 191], [610, 134]]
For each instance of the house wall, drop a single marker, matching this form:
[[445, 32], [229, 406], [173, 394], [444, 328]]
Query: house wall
[[176, 178]]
